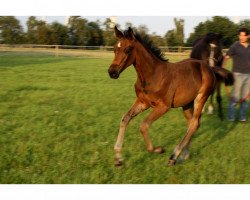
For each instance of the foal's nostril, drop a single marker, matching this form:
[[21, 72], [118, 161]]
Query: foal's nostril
[[113, 73]]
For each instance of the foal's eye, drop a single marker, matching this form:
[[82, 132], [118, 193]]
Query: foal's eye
[[128, 50]]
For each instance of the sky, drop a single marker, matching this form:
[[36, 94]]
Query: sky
[[157, 15], [158, 24]]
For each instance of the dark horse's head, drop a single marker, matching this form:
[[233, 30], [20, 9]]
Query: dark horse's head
[[124, 52], [208, 48]]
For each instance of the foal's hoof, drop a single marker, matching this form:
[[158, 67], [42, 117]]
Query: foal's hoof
[[118, 162], [159, 150], [156, 150], [171, 162], [184, 156]]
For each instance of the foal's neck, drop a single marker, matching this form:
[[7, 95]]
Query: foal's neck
[[145, 64]]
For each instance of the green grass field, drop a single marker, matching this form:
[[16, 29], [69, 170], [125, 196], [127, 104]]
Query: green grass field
[[59, 118]]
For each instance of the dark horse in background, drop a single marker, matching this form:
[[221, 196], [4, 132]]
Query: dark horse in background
[[209, 49], [160, 85]]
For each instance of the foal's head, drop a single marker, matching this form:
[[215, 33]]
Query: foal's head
[[124, 52]]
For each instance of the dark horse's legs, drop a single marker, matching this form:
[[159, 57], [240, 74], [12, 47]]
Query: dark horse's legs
[[219, 100], [210, 109], [137, 108], [193, 126]]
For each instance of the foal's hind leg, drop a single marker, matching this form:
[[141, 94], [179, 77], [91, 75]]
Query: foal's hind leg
[[154, 115], [193, 126], [188, 113], [137, 108]]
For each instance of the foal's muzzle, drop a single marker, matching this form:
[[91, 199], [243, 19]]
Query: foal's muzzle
[[113, 73]]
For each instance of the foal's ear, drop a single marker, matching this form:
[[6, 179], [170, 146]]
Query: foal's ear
[[131, 34], [118, 33]]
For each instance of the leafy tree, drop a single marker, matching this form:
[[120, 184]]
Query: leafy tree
[[245, 23], [11, 32], [129, 24], [59, 34], [175, 37], [179, 24], [218, 24], [43, 33], [142, 30], [108, 33], [96, 34], [199, 31], [157, 40], [170, 37], [79, 33], [32, 24], [38, 31]]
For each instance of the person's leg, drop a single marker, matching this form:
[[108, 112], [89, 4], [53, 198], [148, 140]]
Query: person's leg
[[244, 93], [234, 96]]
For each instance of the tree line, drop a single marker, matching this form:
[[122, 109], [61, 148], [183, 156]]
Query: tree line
[[80, 31]]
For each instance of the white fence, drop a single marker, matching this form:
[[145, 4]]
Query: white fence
[[77, 50], [104, 48]]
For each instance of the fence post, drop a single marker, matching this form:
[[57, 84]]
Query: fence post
[[179, 49], [56, 50]]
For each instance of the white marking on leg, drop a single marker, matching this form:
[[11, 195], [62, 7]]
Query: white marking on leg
[[120, 137], [210, 110]]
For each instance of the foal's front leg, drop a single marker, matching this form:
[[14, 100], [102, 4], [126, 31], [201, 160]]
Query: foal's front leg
[[137, 108]]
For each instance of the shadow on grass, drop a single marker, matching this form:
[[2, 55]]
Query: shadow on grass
[[221, 130]]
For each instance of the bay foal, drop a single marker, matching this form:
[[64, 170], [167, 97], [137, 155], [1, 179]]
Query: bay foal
[[160, 85]]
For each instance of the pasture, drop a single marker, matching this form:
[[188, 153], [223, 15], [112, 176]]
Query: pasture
[[59, 119]]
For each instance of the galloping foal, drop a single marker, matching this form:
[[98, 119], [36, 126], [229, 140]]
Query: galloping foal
[[160, 85]]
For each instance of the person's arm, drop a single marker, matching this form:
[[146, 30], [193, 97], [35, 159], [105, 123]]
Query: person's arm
[[229, 54]]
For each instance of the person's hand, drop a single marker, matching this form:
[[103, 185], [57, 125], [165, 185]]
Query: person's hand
[[242, 100]]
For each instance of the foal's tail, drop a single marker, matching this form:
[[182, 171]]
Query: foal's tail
[[223, 75]]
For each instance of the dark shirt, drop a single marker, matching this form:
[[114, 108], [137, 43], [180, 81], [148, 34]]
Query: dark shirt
[[241, 57]]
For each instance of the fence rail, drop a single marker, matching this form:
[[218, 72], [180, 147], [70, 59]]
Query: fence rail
[[64, 49], [104, 48]]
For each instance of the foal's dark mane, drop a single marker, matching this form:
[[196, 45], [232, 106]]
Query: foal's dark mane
[[148, 44]]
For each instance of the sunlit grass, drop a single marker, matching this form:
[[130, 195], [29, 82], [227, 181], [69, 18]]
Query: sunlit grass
[[59, 118]]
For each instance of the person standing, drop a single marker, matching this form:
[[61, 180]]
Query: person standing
[[240, 53]]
